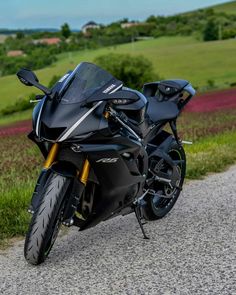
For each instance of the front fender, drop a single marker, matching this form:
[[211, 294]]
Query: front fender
[[38, 190], [64, 168], [61, 168]]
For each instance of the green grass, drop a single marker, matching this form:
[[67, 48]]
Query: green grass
[[211, 154], [16, 117], [20, 163], [229, 7], [176, 57], [13, 210]]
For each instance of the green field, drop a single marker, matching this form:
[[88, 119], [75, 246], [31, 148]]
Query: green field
[[229, 7], [16, 117], [176, 57]]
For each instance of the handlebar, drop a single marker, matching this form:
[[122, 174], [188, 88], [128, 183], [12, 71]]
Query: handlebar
[[189, 88], [191, 91]]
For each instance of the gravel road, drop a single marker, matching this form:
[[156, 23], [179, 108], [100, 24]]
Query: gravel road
[[191, 251]]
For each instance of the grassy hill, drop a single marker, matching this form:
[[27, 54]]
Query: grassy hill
[[172, 57], [229, 7]]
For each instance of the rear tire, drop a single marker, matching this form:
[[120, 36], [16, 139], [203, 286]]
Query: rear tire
[[157, 208], [46, 220]]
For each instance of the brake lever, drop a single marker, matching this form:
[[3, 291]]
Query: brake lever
[[34, 101], [38, 98], [116, 116]]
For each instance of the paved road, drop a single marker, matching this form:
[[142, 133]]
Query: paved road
[[191, 251]]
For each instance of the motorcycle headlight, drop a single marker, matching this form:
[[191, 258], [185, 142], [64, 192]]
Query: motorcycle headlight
[[121, 101]]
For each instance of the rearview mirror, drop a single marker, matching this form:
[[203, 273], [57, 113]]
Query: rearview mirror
[[28, 78]]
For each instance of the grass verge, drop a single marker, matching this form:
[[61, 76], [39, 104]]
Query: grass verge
[[14, 217], [16, 117], [211, 154]]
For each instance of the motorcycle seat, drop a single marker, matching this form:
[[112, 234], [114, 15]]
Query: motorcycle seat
[[164, 89], [162, 99], [161, 111]]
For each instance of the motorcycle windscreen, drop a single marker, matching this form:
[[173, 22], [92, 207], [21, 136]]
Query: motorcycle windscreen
[[60, 118], [85, 81]]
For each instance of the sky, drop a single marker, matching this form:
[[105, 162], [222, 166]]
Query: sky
[[21, 14]]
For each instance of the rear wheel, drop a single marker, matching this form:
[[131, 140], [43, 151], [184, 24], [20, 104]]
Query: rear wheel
[[46, 220], [157, 206]]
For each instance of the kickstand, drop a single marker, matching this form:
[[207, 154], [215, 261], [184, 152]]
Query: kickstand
[[138, 216]]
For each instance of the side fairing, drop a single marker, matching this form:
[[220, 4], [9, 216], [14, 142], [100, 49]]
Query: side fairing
[[36, 113], [117, 167], [59, 122]]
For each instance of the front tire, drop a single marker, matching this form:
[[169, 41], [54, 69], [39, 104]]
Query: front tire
[[46, 220]]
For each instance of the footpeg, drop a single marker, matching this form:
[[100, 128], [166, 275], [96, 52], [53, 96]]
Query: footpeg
[[68, 222], [31, 210], [186, 142]]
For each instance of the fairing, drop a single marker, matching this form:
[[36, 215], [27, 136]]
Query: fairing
[[67, 114]]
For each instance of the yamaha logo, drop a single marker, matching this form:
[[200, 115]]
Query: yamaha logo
[[109, 88]]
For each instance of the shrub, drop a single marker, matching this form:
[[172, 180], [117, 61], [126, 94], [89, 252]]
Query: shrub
[[53, 81], [210, 84], [19, 106], [233, 84], [37, 59], [133, 71], [210, 31]]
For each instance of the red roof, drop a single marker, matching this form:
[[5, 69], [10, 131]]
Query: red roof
[[50, 41], [13, 53]]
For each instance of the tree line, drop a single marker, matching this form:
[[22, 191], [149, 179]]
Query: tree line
[[204, 24]]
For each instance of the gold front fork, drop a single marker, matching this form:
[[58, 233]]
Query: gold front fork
[[51, 156], [85, 172]]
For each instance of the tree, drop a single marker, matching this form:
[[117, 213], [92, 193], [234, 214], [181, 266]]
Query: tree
[[151, 19], [20, 35], [133, 71], [65, 30], [210, 31]]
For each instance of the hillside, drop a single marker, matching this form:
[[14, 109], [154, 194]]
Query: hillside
[[229, 7], [176, 57]]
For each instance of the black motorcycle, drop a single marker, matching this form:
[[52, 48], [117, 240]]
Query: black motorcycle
[[106, 152]]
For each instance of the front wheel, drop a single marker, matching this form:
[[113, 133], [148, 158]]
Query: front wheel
[[157, 206], [46, 220]]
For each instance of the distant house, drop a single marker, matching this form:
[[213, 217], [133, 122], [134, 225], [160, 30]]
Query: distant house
[[90, 25], [48, 41], [15, 53], [129, 25], [2, 38]]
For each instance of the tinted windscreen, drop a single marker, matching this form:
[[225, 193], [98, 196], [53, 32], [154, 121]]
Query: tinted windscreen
[[84, 82]]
